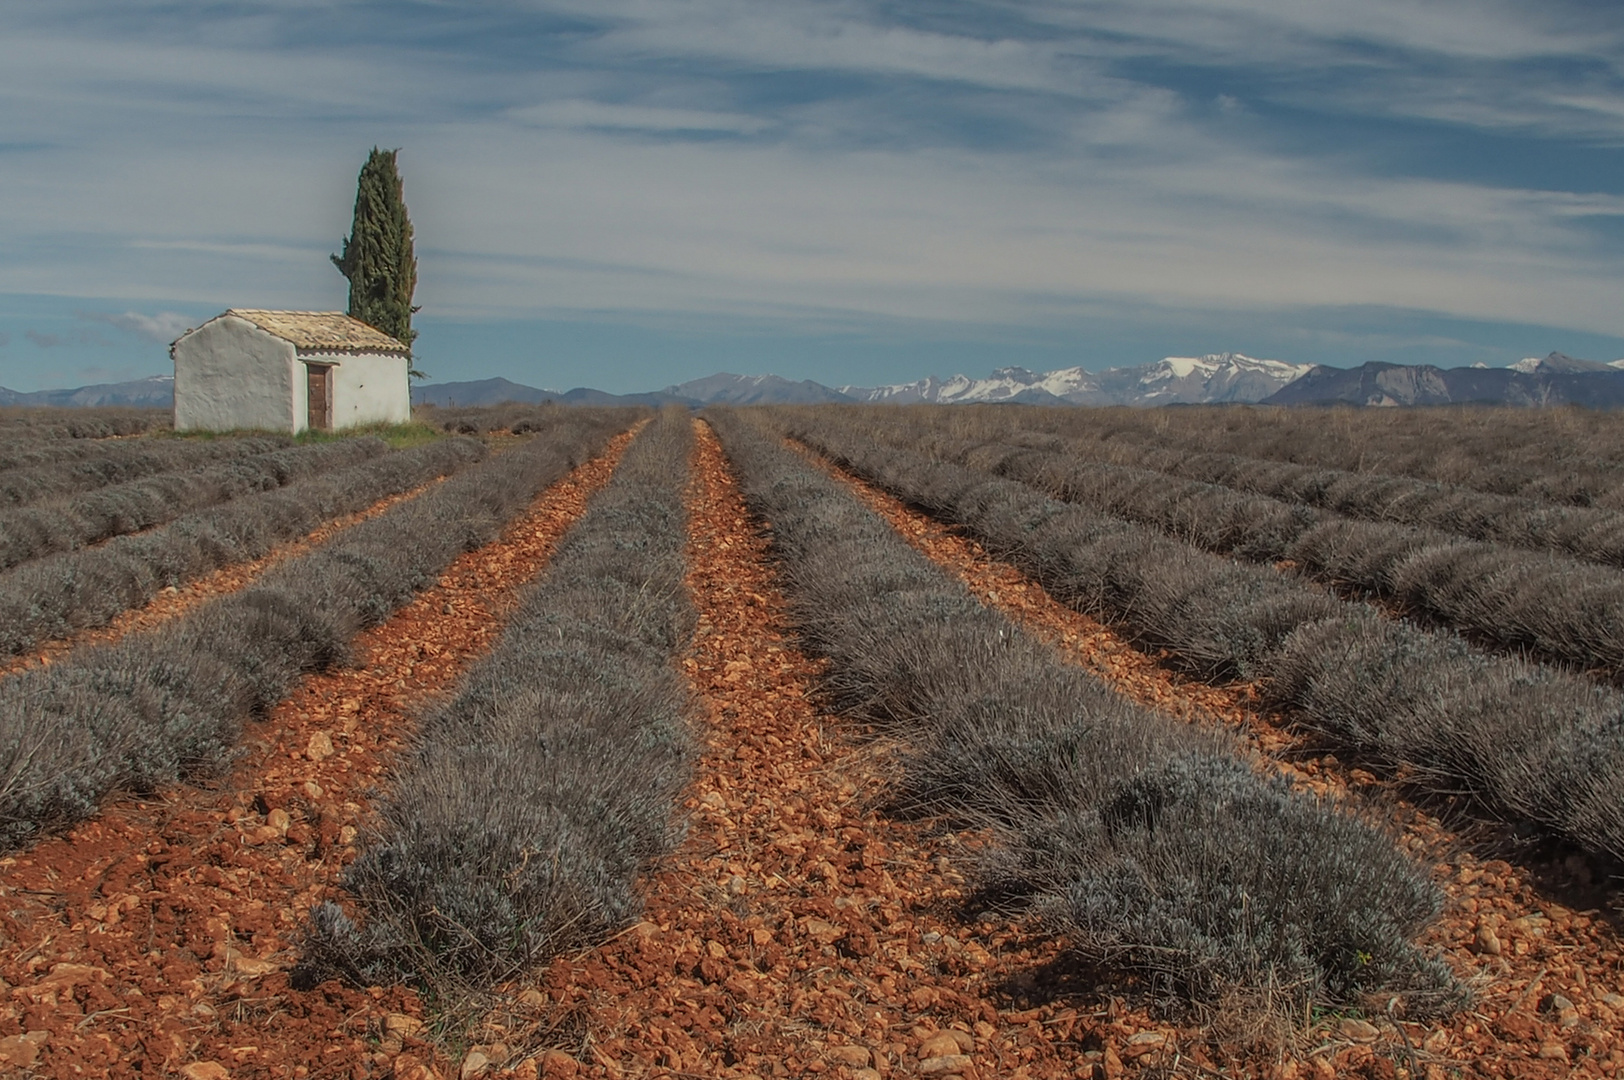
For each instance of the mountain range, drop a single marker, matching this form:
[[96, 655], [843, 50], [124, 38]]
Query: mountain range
[[1184, 380], [1223, 377], [1213, 379], [1555, 380], [1219, 378], [153, 392]]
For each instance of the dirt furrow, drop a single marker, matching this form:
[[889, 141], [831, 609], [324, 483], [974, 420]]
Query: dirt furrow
[[798, 930], [1530, 959], [156, 938], [178, 600]]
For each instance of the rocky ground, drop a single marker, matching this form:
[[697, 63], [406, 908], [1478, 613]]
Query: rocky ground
[[1548, 978], [156, 939], [799, 930]]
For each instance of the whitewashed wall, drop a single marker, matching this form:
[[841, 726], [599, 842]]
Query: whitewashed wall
[[230, 374], [368, 388]]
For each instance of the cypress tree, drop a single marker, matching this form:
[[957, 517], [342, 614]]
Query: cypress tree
[[377, 257]]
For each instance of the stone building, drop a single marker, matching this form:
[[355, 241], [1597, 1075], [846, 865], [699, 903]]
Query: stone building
[[288, 371]]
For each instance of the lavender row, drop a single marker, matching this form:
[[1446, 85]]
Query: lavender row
[[170, 704]]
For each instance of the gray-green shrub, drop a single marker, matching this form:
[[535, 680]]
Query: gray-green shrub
[[1557, 607], [1533, 742], [122, 460], [73, 521], [170, 703], [57, 595], [1137, 834], [534, 797]]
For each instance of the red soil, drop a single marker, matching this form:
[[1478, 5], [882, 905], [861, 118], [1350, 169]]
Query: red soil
[[1513, 943], [797, 931], [154, 940]]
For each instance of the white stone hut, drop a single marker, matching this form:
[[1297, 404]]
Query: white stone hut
[[289, 371]]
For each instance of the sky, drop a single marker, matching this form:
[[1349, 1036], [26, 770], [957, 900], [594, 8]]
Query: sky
[[628, 194]]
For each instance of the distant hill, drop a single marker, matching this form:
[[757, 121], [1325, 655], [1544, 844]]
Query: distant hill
[[154, 392], [583, 395], [724, 388], [1563, 364], [1556, 380], [479, 392], [496, 391]]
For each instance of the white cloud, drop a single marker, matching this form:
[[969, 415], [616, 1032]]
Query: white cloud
[[842, 35], [1549, 70], [162, 327], [1307, 31], [221, 173], [1459, 61], [955, 235]]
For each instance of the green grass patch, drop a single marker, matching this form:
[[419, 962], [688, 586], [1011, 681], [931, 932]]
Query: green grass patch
[[398, 436]]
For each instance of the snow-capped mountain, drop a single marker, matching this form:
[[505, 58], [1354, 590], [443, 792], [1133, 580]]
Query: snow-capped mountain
[[1199, 380], [1176, 379], [1561, 364], [153, 392], [725, 388], [1010, 384]]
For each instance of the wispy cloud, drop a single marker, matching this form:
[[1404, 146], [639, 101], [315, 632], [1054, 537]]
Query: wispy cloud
[[823, 162], [161, 327], [1264, 31], [585, 114], [839, 37]]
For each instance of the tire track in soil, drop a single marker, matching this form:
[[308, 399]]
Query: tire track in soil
[[1533, 947], [175, 601], [156, 938], [796, 931]]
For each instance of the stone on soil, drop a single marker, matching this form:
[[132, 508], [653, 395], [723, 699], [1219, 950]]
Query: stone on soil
[[940, 1066]]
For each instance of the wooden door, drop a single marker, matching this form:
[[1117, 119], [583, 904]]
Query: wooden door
[[320, 387]]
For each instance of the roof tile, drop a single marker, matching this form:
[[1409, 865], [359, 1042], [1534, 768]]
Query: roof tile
[[321, 331]]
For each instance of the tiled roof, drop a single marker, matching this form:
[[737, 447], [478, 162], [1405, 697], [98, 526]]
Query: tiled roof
[[322, 331]]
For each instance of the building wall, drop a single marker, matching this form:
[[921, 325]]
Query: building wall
[[230, 374], [368, 388]]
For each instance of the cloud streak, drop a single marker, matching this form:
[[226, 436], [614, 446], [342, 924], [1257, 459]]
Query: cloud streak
[[582, 114], [825, 163]]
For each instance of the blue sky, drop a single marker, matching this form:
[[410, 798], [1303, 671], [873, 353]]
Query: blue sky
[[631, 193]]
